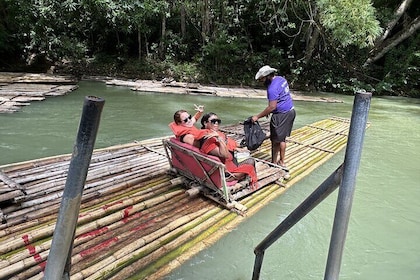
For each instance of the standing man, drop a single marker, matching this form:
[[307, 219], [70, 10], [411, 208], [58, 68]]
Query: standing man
[[280, 104]]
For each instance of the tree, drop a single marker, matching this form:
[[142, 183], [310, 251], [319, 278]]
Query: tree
[[350, 22], [389, 39]]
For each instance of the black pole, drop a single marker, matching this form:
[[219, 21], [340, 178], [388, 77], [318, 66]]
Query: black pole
[[59, 257], [346, 191], [316, 197]]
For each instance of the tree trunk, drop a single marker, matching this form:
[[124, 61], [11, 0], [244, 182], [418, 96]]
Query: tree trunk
[[146, 43], [162, 37], [397, 15], [312, 41], [392, 42], [313, 34], [382, 45], [206, 21], [183, 21], [139, 42]]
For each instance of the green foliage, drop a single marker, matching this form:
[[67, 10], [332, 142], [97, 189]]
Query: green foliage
[[175, 48], [223, 42], [184, 72], [224, 58], [402, 70], [350, 22]]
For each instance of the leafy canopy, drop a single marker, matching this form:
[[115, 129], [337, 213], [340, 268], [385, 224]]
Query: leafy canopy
[[350, 23]]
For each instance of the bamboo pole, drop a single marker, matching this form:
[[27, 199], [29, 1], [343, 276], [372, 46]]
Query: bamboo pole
[[84, 217], [176, 258], [143, 222], [76, 258], [124, 254], [84, 233]]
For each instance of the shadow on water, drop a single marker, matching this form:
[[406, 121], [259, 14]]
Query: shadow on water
[[383, 238]]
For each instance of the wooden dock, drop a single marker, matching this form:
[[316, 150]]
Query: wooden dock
[[135, 219]]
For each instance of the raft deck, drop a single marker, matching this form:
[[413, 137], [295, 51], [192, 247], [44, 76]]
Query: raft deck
[[136, 220]]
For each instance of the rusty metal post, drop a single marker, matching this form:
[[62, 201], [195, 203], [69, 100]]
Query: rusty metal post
[[59, 258]]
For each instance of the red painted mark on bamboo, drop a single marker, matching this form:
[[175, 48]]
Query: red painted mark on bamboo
[[37, 258], [106, 206], [27, 242], [144, 225], [42, 265], [126, 214], [26, 239], [128, 218], [32, 250], [99, 247], [93, 233]]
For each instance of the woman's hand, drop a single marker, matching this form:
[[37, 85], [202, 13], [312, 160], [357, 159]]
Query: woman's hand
[[199, 108], [211, 134], [242, 149]]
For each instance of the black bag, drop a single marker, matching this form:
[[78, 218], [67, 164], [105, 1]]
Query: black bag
[[254, 135]]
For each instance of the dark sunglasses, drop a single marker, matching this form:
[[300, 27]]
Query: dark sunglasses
[[213, 121], [187, 118]]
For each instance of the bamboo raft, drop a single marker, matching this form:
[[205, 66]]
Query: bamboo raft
[[136, 220], [19, 89]]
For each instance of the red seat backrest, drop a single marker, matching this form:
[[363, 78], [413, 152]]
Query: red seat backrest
[[190, 164]]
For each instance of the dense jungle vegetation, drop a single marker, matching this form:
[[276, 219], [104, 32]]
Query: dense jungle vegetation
[[326, 45]]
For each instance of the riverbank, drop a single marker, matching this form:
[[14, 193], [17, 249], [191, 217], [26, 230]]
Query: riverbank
[[20, 89], [171, 86]]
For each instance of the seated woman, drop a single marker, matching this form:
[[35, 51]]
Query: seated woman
[[218, 144], [183, 126]]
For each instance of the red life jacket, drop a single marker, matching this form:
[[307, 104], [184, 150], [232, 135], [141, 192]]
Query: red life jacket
[[211, 144]]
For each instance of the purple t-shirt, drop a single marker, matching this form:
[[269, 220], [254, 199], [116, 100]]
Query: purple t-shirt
[[279, 90]]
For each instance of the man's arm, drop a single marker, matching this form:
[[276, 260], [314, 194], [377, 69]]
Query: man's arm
[[271, 106]]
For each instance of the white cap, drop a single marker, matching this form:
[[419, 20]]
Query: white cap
[[264, 71]]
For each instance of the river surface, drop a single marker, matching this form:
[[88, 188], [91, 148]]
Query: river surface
[[383, 238]]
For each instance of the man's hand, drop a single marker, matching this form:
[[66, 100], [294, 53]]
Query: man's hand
[[254, 119]]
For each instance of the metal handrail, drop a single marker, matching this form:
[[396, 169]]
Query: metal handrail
[[344, 175], [59, 257]]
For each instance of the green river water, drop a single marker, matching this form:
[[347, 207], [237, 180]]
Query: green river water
[[383, 239]]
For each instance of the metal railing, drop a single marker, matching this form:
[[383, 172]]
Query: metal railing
[[345, 177], [59, 258]]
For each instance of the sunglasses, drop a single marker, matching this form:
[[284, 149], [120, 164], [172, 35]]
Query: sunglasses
[[213, 121], [187, 118]]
